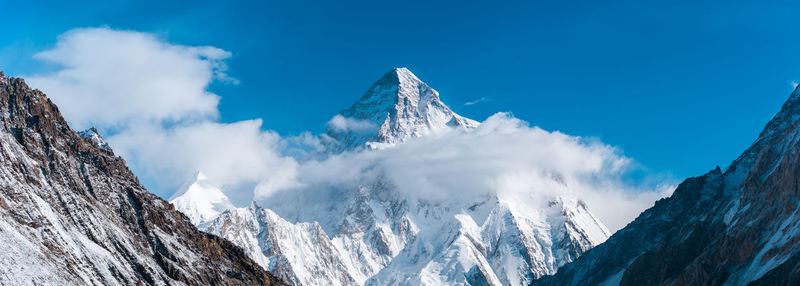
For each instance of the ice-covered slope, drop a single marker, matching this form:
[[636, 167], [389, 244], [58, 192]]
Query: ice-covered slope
[[513, 245], [739, 226], [376, 237], [398, 106], [71, 213], [200, 199], [377, 234]]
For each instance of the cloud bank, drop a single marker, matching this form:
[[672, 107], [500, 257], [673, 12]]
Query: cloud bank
[[151, 98], [503, 157], [109, 78]]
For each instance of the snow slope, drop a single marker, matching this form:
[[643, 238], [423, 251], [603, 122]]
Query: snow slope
[[376, 234], [200, 199]]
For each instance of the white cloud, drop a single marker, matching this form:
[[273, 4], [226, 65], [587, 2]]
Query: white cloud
[[479, 100], [344, 124], [503, 156], [231, 154], [153, 95], [151, 98], [109, 78]]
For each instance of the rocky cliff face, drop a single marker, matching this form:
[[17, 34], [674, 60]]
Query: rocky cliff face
[[376, 234], [733, 227], [71, 213]]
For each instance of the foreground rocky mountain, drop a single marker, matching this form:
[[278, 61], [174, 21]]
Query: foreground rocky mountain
[[739, 226], [375, 234], [71, 213]]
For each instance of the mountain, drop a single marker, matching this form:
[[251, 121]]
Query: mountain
[[376, 234], [72, 213], [739, 226], [397, 107], [200, 199], [95, 137]]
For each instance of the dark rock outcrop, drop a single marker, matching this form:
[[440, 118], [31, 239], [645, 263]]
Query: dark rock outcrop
[[72, 213], [734, 227]]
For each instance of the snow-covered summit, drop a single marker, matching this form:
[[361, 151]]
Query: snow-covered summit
[[200, 199], [374, 231], [397, 107]]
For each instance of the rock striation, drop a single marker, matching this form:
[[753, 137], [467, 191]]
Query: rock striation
[[72, 213]]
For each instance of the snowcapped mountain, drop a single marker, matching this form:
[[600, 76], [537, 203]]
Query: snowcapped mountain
[[72, 213], [734, 227], [512, 245], [200, 199], [398, 106], [375, 234]]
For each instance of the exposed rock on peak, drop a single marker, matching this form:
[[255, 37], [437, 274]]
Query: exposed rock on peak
[[93, 135]]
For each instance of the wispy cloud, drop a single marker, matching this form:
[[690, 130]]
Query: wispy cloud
[[479, 100], [341, 123], [503, 157], [153, 98]]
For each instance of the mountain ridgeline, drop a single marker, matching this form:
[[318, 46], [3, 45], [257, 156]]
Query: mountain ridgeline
[[374, 233], [72, 213], [738, 226]]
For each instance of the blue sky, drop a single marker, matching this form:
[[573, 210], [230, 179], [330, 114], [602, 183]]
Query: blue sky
[[680, 86]]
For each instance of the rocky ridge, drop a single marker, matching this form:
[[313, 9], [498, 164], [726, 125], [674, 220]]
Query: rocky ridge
[[737, 226], [72, 213]]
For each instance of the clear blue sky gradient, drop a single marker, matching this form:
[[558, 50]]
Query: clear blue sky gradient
[[680, 86]]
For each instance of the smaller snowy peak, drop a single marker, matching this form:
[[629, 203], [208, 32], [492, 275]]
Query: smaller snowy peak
[[397, 107], [93, 135], [200, 199]]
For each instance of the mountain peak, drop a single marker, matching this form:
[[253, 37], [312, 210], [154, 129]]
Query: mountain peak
[[93, 135], [199, 176], [393, 87], [200, 199], [398, 75], [395, 108]]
